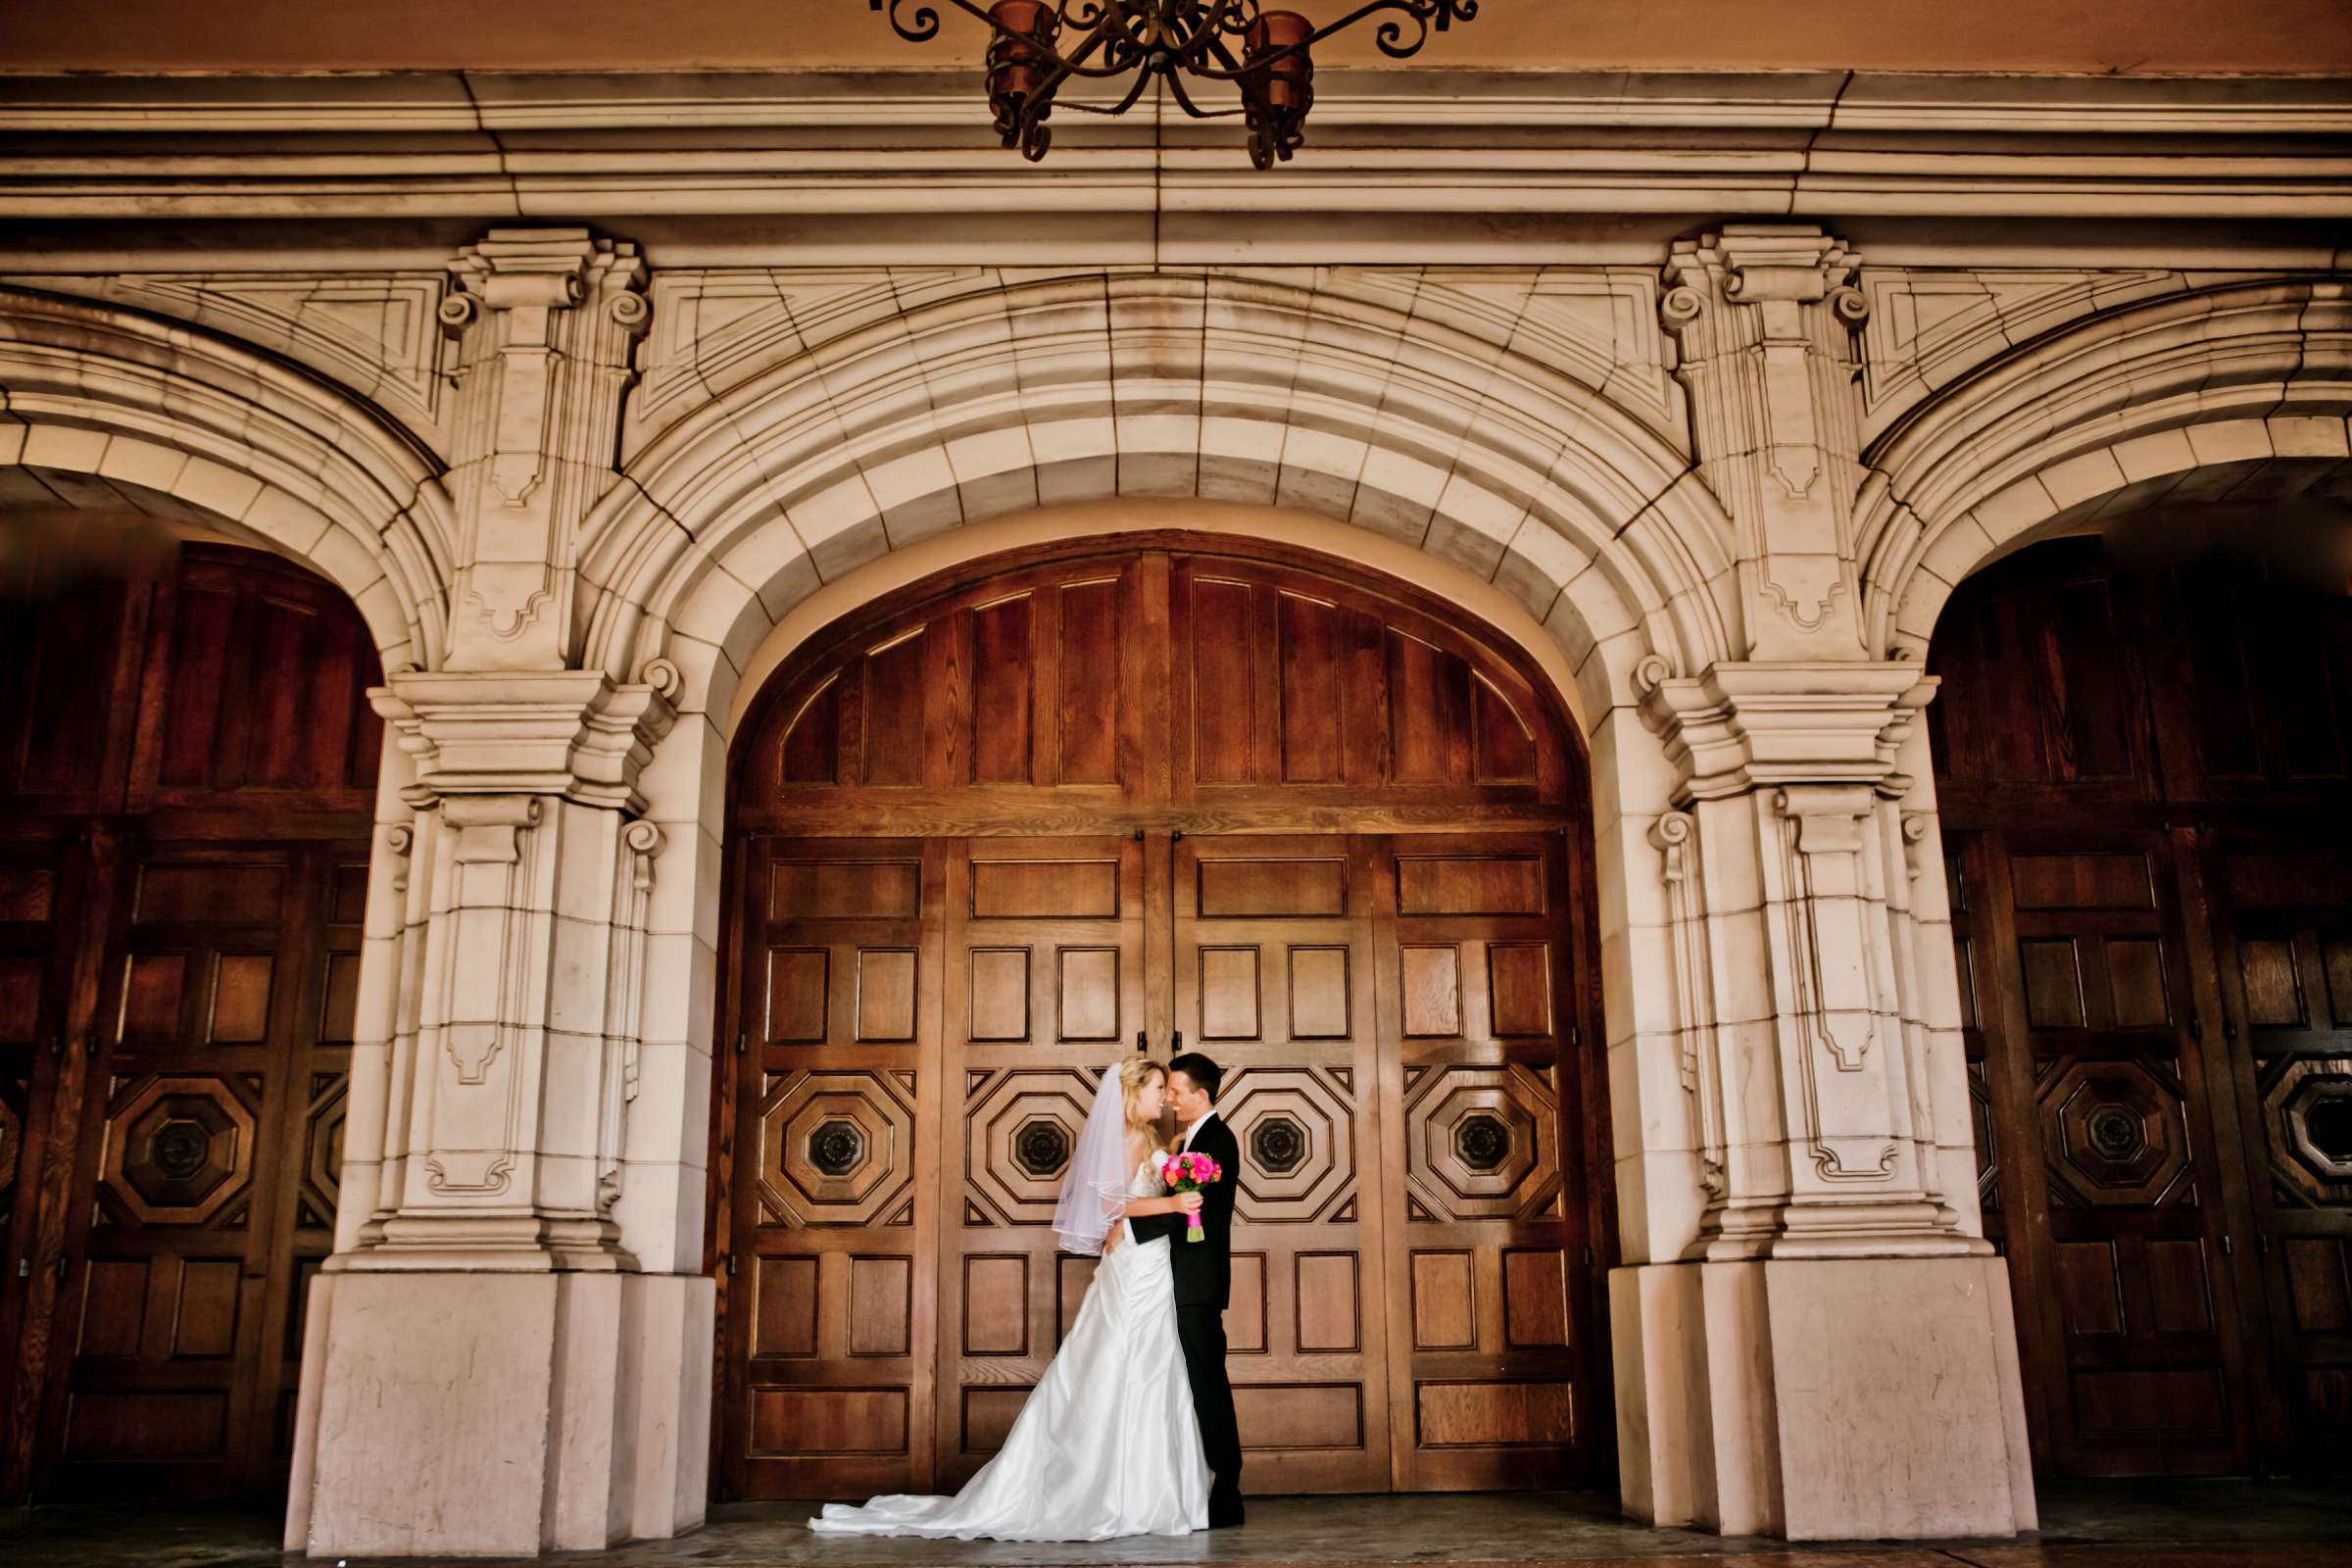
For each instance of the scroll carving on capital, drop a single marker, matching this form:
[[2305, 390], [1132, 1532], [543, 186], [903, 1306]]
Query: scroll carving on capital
[[1765, 318], [547, 322], [624, 1025]]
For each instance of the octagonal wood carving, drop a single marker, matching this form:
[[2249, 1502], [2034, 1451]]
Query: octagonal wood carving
[[2307, 1116], [835, 1148], [178, 1149], [1296, 1128], [1020, 1127], [1480, 1143], [2113, 1133]]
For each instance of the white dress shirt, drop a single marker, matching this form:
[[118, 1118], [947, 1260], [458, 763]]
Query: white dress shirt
[[1194, 1131]]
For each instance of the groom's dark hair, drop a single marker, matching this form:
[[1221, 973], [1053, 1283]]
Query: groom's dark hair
[[1204, 1074]]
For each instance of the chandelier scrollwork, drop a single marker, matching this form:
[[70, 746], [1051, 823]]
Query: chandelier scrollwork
[[1037, 45]]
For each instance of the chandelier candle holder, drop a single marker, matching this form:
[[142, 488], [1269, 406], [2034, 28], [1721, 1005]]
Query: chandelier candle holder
[[1037, 45]]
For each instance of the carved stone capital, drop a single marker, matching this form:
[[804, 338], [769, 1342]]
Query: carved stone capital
[[566, 733], [1739, 728]]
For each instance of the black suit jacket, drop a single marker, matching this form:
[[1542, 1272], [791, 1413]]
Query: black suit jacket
[[1203, 1268]]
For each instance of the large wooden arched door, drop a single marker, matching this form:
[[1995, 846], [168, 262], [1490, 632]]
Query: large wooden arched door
[[1149, 795]]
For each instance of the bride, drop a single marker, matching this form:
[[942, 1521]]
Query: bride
[[1106, 1445]]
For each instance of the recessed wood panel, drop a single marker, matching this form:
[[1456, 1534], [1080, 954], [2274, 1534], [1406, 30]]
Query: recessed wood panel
[[339, 1006], [881, 1304], [20, 998], [1505, 745], [1003, 671], [151, 996], [1293, 1415], [1488, 1415], [214, 894], [1089, 993], [987, 1416], [1234, 889], [1016, 890], [796, 994], [2180, 1296], [845, 890], [1444, 1301], [812, 747], [26, 891], [1223, 683], [2082, 882], [114, 1305], [2273, 989], [146, 1426], [886, 993], [793, 1421], [2053, 983], [1446, 885], [1519, 988], [1000, 993], [1309, 637], [1319, 993], [1090, 682], [1433, 992], [204, 1322], [1329, 1308], [892, 711], [995, 1304], [2187, 1399], [1535, 1296], [1428, 698], [2135, 982], [1246, 1306], [2090, 1293], [1229, 994], [241, 996], [2319, 1284], [784, 1307], [2335, 963]]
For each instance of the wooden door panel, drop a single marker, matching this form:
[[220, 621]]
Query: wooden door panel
[[837, 1125], [2287, 965], [1273, 980], [1478, 1002], [1046, 941], [2092, 1065]]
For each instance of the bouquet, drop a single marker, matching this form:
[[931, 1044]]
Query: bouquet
[[1189, 1173]]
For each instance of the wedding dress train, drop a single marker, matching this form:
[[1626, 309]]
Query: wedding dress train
[[1106, 1445]]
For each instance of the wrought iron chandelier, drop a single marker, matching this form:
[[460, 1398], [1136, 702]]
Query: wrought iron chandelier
[[1265, 54]]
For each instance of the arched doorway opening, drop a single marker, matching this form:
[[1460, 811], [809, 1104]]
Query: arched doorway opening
[[187, 771], [2144, 748], [1104, 795]]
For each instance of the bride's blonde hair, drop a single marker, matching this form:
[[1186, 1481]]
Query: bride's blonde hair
[[1134, 1073]]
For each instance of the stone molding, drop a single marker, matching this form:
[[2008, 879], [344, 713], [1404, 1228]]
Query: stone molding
[[568, 734], [835, 146], [138, 413], [1737, 728]]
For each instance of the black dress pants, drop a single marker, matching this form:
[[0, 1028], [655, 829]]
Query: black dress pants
[[1201, 1330]]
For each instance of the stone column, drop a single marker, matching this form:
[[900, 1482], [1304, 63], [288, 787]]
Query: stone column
[[492, 1364], [1832, 1356]]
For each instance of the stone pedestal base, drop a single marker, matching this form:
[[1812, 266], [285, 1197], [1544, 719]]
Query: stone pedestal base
[[450, 1414], [1822, 1400]]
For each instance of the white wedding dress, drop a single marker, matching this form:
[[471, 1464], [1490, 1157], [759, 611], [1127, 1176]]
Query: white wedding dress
[[1106, 1445]]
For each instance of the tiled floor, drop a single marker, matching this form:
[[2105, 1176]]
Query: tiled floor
[[2194, 1524]]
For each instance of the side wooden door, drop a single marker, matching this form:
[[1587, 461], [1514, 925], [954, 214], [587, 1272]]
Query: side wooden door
[[1273, 975], [2102, 1080], [832, 1322], [1043, 989], [1481, 1105]]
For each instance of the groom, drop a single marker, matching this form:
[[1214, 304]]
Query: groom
[[1204, 1271]]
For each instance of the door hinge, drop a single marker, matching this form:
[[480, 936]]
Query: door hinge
[[730, 1265], [742, 1043], [2229, 1247], [2197, 1027]]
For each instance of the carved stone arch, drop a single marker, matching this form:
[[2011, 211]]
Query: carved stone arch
[[173, 419], [2233, 393], [1092, 387]]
